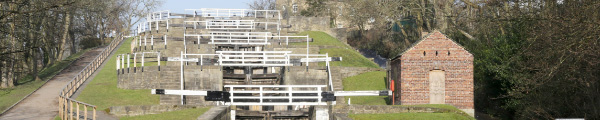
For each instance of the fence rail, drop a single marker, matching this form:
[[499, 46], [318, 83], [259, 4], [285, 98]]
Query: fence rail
[[124, 60], [275, 94], [212, 12], [65, 104], [254, 58]]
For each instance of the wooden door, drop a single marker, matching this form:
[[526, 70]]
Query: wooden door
[[437, 87]]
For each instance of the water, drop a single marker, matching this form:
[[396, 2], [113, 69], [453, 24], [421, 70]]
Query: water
[[376, 57]]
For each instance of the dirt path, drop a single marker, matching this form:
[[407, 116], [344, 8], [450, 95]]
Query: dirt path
[[43, 103]]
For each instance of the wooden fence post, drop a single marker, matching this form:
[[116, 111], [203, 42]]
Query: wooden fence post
[[77, 103], [94, 115], [71, 110], [85, 112]]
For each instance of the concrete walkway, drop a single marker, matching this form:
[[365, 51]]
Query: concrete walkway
[[43, 104]]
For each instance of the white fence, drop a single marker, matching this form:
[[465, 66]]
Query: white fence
[[243, 38], [240, 38], [212, 12], [232, 24], [254, 58], [124, 60], [158, 16], [276, 94], [155, 17]]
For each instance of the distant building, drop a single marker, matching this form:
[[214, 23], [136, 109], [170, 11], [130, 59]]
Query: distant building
[[435, 70]]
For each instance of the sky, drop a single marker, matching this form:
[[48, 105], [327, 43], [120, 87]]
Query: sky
[[179, 6]]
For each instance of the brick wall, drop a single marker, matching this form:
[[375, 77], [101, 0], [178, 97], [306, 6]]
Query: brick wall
[[436, 51]]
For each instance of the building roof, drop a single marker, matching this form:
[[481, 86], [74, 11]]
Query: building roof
[[422, 39]]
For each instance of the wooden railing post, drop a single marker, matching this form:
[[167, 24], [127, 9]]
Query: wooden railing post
[[85, 112], [65, 109], [60, 107], [94, 115], [71, 110], [77, 105]]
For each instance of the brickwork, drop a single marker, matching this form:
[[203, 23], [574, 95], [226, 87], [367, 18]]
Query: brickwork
[[410, 71]]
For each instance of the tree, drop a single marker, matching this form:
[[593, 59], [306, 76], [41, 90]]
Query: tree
[[38, 32], [262, 5]]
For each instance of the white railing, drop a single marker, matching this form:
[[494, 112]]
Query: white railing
[[123, 60], [158, 16], [275, 14], [213, 12], [287, 38], [266, 24], [195, 23], [240, 38], [276, 94], [230, 24], [243, 38], [254, 58], [143, 27]]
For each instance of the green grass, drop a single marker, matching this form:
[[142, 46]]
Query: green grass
[[26, 85], [454, 114], [187, 114], [102, 91], [410, 116], [320, 38], [367, 81], [350, 58]]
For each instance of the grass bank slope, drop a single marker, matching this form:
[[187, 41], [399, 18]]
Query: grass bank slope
[[350, 57], [102, 91], [367, 81]]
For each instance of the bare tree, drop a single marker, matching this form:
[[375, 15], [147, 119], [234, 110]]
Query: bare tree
[[262, 5]]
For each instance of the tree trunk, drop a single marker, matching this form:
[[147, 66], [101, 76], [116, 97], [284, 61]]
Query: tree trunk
[[73, 45], [65, 35], [10, 68], [3, 80]]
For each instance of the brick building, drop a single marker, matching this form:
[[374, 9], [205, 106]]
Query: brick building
[[435, 70]]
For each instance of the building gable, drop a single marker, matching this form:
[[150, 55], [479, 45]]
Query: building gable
[[435, 42]]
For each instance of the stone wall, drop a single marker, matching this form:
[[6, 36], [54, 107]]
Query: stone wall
[[216, 113], [385, 109], [301, 23], [169, 77], [207, 78], [150, 78], [298, 75], [136, 110]]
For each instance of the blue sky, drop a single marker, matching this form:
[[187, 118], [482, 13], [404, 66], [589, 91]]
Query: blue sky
[[179, 6]]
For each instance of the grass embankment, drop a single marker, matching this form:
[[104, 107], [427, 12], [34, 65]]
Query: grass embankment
[[350, 58], [102, 91], [367, 81], [187, 114], [454, 114], [26, 85], [410, 116]]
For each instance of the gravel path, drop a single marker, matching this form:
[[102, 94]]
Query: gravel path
[[43, 103]]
